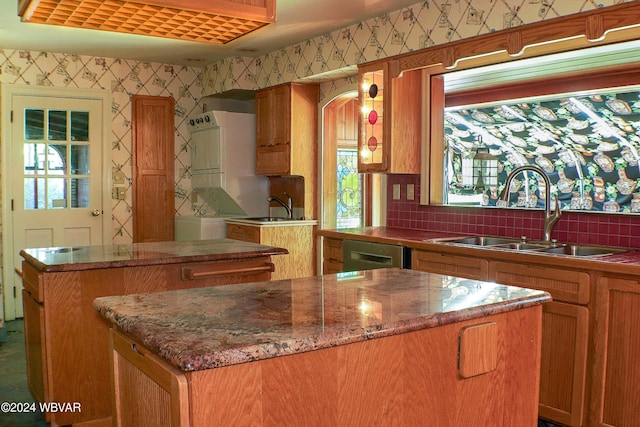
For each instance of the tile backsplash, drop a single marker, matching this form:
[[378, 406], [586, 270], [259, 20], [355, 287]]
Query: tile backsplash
[[573, 227]]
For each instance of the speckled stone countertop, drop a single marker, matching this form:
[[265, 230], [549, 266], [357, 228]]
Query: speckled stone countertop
[[137, 254], [211, 327], [628, 261]]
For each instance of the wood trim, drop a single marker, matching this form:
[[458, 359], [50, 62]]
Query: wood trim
[[436, 133], [588, 28], [616, 76]]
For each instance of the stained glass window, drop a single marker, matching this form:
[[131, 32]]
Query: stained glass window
[[349, 204]]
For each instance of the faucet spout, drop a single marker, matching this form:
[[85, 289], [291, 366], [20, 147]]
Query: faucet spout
[[551, 217], [288, 205]]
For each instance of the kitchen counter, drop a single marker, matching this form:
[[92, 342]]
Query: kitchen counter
[[433, 240], [139, 254], [212, 327], [380, 347], [67, 341], [265, 222]]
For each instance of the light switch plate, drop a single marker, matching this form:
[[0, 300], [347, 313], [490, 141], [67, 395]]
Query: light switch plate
[[396, 191], [410, 192]]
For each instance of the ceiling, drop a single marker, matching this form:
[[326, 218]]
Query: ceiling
[[297, 20]]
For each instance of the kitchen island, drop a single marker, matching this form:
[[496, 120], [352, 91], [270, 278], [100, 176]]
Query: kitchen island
[[379, 347], [67, 342]]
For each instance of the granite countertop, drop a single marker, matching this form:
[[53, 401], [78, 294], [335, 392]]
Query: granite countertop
[[433, 240], [138, 254], [212, 327], [270, 222]]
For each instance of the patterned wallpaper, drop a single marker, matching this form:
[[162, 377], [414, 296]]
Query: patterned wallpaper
[[424, 24]]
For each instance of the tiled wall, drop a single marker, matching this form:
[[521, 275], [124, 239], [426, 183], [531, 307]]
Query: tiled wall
[[574, 227]]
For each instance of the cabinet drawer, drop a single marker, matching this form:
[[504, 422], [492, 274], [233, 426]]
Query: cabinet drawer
[[245, 233], [332, 249], [563, 285], [32, 282], [222, 273], [453, 265]]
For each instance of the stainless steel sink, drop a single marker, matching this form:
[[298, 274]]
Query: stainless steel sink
[[520, 246], [535, 246], [580, 250], [482, 241]]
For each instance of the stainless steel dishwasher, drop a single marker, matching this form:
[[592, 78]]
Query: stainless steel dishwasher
[[361, 255]]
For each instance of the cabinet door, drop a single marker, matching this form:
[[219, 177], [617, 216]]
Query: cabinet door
[[281, 112], [331, 256], [264, 118], [35, 347], [563, 363], [453, 265], [617, 344], [147, 391]]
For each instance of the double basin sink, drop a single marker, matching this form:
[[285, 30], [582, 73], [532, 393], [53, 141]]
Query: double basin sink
[[535, 246]]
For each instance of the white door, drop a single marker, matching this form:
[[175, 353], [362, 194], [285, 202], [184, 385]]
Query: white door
[[56, 179]]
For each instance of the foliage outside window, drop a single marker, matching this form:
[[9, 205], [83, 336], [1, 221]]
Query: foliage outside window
[[587, 143]]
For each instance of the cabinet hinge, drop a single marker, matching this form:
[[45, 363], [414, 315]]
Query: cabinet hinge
[[11, 117], [15, 294], [12, 204]]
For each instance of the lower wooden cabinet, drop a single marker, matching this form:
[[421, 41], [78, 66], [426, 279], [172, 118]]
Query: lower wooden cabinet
[[452, 265], [332, 256], [399, 380], [616, 382], [67, 341], [563, 366], [565, 330], [297, 239]]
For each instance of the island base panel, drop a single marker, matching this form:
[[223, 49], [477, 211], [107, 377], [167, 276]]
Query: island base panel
[[405, 380]]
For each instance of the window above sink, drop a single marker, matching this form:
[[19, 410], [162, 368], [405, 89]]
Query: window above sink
[[582, 129]]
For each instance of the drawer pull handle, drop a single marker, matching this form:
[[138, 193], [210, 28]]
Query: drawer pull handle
[[190, 274]]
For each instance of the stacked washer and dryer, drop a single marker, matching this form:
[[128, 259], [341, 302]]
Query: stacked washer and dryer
[[223, 147]]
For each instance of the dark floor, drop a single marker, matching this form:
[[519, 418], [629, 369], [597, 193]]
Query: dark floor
[[13, 379]]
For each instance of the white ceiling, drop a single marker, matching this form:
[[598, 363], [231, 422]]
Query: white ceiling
[[297, 20]]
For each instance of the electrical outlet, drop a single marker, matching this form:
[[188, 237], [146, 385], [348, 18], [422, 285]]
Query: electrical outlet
[[410, 192], [396, 191]]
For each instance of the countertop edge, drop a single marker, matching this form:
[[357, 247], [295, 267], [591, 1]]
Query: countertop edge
[[288, 223], [317, 342]]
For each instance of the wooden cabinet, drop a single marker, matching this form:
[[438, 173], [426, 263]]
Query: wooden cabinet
[[409, 381], [390, 128], [617, 344], [452, 265], [297, 239], [67, 342], [287, 130], [331, 256], [565, 324], [565, 335], [565, 330]]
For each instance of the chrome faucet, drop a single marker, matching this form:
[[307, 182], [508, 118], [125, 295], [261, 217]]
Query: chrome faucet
[[550, 217], [288, 206]]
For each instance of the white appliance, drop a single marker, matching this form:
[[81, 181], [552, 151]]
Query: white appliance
[[200, 228], [223, 147]]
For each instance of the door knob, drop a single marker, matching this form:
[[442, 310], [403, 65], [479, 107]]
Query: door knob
[[95, 212]]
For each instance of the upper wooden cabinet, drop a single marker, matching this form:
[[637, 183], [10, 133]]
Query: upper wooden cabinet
[[284, 145], [390, 122]]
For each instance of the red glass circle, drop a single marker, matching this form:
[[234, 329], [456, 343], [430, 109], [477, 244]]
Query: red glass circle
[[372, 143], [373, 117]]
